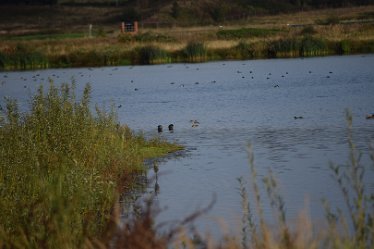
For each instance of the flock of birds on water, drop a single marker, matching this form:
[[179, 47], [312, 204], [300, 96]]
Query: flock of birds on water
[[194, 123]]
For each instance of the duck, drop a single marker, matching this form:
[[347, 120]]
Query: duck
[[171, 127], [370, 116], [159, 128], [194, 123]]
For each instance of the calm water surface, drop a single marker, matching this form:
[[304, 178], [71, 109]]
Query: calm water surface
[[236, 103]]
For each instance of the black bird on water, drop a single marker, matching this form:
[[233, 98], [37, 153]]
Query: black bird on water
[[171, 127], [159, 128]]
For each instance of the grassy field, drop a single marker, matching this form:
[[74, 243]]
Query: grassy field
[[63, 41]]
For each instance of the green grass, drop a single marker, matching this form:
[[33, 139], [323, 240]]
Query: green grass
[[245, 33], [43, 37], [194, 52], [145, 37], [61, 166], [24, 56], [150, 55]]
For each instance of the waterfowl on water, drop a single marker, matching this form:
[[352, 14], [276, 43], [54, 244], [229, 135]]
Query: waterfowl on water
[[159, 128], [194, 123], [370, 116], [171, 127], [298, 117]]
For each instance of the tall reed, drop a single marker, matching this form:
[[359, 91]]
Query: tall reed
[[195, 52], [61, 166]]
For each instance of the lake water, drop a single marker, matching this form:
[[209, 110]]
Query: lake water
[[236, 103]]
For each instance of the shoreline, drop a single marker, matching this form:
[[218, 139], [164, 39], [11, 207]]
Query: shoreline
[[23, 58]]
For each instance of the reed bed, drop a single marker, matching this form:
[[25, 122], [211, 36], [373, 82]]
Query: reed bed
[[21, 56], [61, 167]]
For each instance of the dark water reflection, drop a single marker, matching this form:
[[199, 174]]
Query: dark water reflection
[[237, 103]]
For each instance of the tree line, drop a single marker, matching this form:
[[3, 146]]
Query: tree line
[[262, 3]]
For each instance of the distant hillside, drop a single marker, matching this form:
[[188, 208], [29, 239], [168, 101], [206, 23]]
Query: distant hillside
[[62, 14], [193, 12]]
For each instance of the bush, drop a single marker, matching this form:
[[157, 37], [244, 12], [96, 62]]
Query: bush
[[313, 46], [195, 51], [245, 50], [343, 47], [23, 57], [150, 55], [284, 47]]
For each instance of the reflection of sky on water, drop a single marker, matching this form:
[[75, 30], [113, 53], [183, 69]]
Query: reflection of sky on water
[[236, 103]]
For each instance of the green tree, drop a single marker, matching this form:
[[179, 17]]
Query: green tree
[[175, 10]]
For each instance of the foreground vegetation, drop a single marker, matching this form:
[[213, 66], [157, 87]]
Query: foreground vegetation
[[312, 33], [62, 168]]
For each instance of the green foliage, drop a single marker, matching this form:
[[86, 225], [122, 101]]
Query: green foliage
[[245, 33], [175, 10], [311, 46], [106, 57], [152, 37], [284, 47], [242, 51], [308, 46], [131, 14], [308, 30], [217, 13], [145, 37], [23, 57], [60, 167], [195, 51], [44, 37], [150, 55], [343, 47]]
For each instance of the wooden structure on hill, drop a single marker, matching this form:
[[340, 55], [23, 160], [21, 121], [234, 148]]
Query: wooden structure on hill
[[130, 27]]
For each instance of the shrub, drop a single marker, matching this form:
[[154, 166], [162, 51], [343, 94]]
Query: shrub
[[311, 46], [150, 55], [195, 51], [245, 50], [284, 47], [343, 47]]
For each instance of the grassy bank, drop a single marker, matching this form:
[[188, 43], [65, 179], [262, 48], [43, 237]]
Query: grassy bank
[[309, 33], [62, 168], [26, 57]]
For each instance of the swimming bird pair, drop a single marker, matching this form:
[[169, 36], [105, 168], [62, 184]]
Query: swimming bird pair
[[170, 127]]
